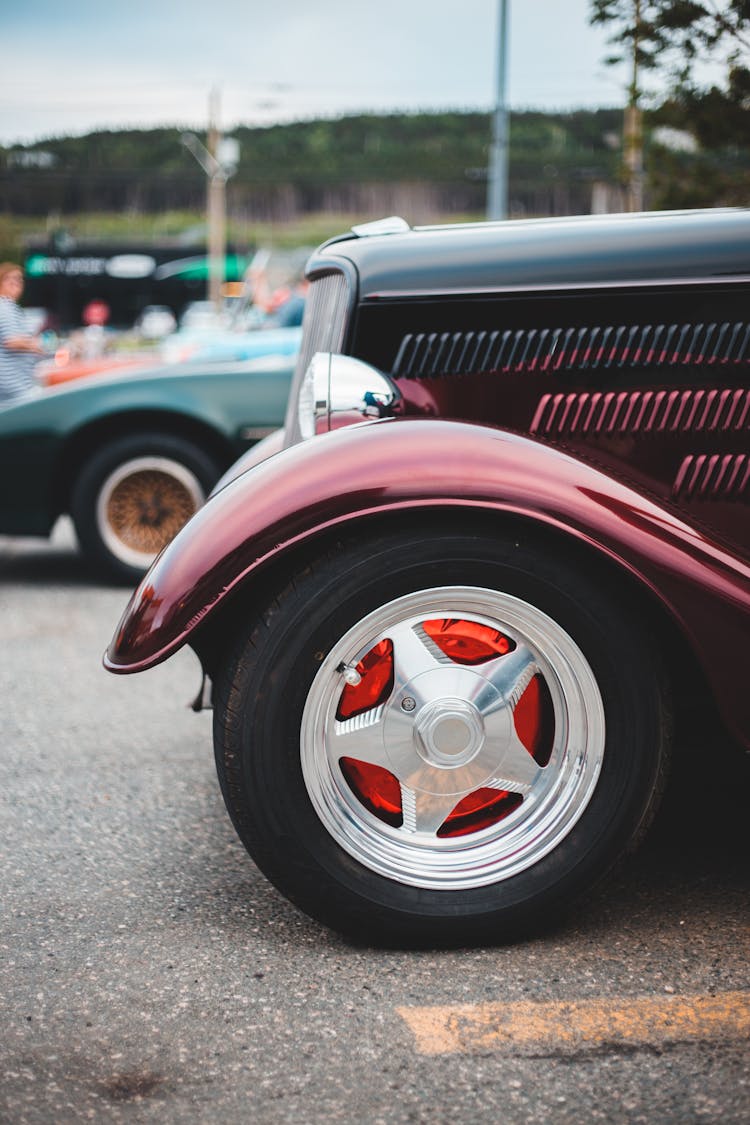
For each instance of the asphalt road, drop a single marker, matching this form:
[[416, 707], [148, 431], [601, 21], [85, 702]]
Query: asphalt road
[[149, 973]]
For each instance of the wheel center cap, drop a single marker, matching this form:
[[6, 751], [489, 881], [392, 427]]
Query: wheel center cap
[[448, 733]]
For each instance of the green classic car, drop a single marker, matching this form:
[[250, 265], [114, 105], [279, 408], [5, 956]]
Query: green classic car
[[131, 456]]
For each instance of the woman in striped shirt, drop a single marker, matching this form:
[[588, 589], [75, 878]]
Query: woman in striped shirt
[[19, 352]]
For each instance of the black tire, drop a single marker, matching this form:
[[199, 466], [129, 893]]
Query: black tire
[[133, 495], [332, 845]]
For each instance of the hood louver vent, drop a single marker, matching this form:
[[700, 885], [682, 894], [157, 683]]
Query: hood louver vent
[[642, 412], [714, 477], [509, 351]]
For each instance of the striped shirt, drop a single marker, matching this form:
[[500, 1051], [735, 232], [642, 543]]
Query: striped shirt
[[16, 368]]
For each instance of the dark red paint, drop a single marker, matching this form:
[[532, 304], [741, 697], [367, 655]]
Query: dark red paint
[[393, 465]]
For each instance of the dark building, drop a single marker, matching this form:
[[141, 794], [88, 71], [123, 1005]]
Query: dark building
[[64, 276]]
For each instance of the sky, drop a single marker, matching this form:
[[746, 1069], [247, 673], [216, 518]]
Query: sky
[[71, 66]]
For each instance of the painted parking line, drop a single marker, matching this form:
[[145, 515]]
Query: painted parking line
[[579, 1024]]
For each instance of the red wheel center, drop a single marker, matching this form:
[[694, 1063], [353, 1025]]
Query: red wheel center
[[448, 739]]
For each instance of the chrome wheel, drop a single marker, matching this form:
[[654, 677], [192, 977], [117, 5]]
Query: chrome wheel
[[452, 738], [141, 506], [411, 741]]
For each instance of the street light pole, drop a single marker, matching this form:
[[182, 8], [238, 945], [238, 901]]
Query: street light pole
[[218, 161], [216, 205], [497, 187]]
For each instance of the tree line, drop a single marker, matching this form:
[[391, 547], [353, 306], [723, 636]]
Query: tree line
[[314, 165]]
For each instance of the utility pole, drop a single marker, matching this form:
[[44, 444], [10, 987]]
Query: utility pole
[[216, 206], [219, 160], [497, 186]]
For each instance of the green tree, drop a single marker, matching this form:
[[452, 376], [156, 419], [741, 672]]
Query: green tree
[[638, 40], [674, 39]]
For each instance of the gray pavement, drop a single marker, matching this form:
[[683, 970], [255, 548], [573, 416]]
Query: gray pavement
[[148, 972]]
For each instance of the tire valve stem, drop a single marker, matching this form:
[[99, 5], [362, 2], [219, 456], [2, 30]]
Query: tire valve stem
[[350, 674]]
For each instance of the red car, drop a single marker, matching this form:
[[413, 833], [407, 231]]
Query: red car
[[447, 638], [67, 369]]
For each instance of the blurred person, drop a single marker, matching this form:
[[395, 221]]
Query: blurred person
[[93, 335], [19, 352], [288, 310], [281, 307]]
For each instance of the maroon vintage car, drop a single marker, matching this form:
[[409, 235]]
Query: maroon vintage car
[[447, 643]]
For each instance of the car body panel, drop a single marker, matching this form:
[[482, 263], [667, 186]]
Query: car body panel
[[622, 339], [51, 375], [590, 374], [388, 466], [221, 345], [547, 253], [268, 446]]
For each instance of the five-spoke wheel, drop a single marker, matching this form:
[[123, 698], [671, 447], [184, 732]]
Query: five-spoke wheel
[[452, 737], [439, 737]]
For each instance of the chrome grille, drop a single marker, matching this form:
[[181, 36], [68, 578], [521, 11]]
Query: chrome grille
[[323, 330]]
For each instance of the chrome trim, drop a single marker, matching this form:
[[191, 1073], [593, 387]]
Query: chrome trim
[[338, 390], [313, 396], [461, 736], [323, 330], [394, 224]]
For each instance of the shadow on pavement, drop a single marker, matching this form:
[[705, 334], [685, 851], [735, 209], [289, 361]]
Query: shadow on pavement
[[55, 561]]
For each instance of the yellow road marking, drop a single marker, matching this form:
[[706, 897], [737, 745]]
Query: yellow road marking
[[578, 1024]]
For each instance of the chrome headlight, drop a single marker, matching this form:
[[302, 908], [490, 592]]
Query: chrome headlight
[[338, 390]]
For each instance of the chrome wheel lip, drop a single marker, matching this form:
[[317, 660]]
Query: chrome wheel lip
[[549, 810], [125, 553]]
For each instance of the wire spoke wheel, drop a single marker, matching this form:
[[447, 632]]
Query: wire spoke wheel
[[134, 494], [143, 504]]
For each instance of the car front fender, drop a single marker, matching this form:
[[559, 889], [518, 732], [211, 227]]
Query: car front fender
[[397, 465]]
